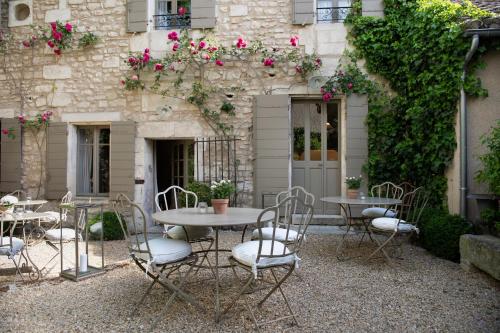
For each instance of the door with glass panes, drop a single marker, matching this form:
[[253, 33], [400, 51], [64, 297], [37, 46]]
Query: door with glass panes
[[315, 158]]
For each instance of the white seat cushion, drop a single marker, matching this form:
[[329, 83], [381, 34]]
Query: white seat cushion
[[378, 212], [389, 223], [280, 234], [55, 234], [164, 250], [246, 254], [17, 245], [194, 233], [52, 216]]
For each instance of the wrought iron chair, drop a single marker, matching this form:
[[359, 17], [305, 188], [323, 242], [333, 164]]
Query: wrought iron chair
[[270, 255], [406, 222], [157, 257], [385, 190], [267, 233]]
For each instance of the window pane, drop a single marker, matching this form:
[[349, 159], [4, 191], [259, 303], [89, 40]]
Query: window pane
[[84, 168], [104, 168], [315, 122], [332, 132], [299, 138], [104, 136]]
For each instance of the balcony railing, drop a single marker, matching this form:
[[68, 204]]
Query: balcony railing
[[172, 21], [332, 14]]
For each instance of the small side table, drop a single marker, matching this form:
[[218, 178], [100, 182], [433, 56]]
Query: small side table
[[80, 217]]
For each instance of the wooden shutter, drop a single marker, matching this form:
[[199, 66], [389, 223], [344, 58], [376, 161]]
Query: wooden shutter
[[202, 14], [57, 160], [303, 11], [122, 159], [137, 15], [271, 134], [10, 157]]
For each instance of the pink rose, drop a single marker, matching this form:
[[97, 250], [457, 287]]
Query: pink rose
[[212, 49], [318, 62], [349, 85], [202, 45], [294, 40], [122, 81], [5, 131], [44, 118], [219, 62], [26, 43], [192, 43], [173, 36], [21, 119], [132, 61], [134, 78], [57, 52], [175, 47], [171, 67], [269, 62], [298, 69], [57, 35], [327, 97], [322, 90], [181, 11], [158, 67], [205, 56], [53, 26], [50, 44], [241, 43], [68, 27], [145, 58], [146, 50]]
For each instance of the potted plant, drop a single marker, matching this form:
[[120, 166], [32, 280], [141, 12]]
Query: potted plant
[[353, 185], [220, 195], [5, 205]]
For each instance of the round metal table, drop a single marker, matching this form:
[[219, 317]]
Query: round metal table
[[193, 217], [345, 204]]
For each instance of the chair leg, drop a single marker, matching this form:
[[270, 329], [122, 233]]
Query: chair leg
[[240, 294], [381, 248], [283, 294], [277, 285]]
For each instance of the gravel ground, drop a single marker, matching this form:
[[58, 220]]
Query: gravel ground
[[420, 294]]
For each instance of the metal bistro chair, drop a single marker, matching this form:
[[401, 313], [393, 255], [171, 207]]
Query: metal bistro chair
[[157, 257], [185, 199], [406, 222], [270, 255], [281, 232], [385, 190]]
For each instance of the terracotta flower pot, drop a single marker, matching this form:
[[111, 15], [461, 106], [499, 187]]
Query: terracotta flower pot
[[352, 193], [220, 205]]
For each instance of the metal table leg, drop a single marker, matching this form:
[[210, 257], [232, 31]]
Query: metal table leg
[[217, 301]]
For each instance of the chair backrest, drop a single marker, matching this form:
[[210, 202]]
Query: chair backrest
[[412, 205], [297, 191], [180, 197], [19, 194], [407, 187], [386, 190], [137, 231], [66, 199], [280, 215]]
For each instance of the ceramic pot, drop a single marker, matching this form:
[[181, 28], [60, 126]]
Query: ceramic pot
[[220, 205], [352, 193]]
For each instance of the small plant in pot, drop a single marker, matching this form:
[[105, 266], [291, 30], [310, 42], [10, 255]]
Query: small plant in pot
[[221, 191], [353, 185]]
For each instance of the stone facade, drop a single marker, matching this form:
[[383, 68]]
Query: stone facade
[[88, 81]]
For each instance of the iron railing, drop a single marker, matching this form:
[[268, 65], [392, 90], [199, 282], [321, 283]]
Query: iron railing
[[215, 159], [172, 21], [332, 14]]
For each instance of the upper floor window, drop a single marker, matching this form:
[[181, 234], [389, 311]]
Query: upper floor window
[[172, 14], [332, 11]]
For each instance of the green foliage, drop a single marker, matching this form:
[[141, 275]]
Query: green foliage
[[202, 191], [88, 39], [222, 189], [228, 108], [440, 233], [112, 228], [419, 50], [353, 183], [490, 174], [491, 219]]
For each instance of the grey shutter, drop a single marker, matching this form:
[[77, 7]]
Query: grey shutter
[[271, 133], [137, 15], [10, 157], [372, 8], [57, 160], [202, 14], [357, 139], [122, 159], [303, 11]]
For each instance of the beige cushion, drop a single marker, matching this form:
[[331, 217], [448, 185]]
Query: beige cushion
[[280, 234], [55, 234], [164, 250], [194, 233], [246, 254], [389, 223], [6, 250], [378, 212]]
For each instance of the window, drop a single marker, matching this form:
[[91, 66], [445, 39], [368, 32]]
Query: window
[[92, 168], [332, 11], [172, 14]]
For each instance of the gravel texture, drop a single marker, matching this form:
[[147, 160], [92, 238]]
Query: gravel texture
[[421, 293]]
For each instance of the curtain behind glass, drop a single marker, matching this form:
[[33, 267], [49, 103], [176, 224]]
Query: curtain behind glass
[[84, 165]]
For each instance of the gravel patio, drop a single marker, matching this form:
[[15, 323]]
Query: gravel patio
[[420, 294]]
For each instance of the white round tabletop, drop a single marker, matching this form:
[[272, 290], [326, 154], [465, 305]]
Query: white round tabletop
[[30, 202], [365, 201], [193, 217], [23, 216]]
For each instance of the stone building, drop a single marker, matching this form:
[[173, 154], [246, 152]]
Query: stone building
[[103, 140]]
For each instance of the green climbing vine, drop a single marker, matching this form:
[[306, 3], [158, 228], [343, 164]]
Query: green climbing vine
[[418, 49]]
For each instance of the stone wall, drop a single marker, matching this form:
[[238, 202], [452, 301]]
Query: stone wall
[[88, 81]]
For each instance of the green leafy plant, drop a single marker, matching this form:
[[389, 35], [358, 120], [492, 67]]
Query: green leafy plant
[[353, 183], [88, 39], [202, 191], [440, 233], [59, 36], [490, 174], [228, 108], [491, 220], [111, 225], [222, 189]]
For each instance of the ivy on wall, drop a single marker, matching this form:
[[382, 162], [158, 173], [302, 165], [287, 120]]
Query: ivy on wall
[[418, 49]]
